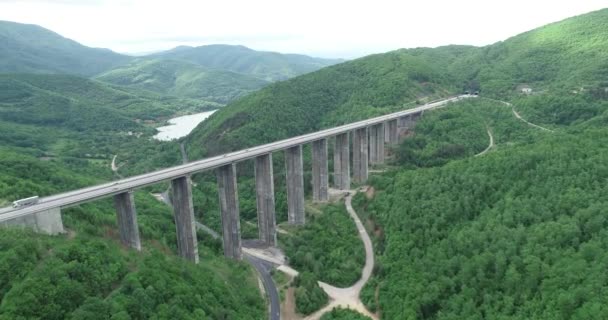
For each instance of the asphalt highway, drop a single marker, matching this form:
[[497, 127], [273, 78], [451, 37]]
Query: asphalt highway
[[79, 196], [264, 267]]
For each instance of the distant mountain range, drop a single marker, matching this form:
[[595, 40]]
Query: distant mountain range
[[214, 73], [26, 48], [271, 66], [183, 79]]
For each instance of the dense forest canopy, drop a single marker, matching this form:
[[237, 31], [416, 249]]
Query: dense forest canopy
[[516, 233]]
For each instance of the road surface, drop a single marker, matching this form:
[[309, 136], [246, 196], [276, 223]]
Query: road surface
[[490, 146], [349, 297], [526, 121], [264, 268], [76, 197], [518, 116]]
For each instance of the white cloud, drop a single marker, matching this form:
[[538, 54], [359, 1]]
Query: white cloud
[[318, 27]]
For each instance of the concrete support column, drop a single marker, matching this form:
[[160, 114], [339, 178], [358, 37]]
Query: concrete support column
[[376, 144], [342, 162], [373, 137], [264, 189], [183, 210], [387, 134], [404, 124], [360, 160], [320, 178], [48, 222], [126, 215], [393, 136], [229, 208], [295, 185]]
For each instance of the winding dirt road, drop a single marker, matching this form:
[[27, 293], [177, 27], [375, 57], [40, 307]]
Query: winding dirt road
[[518, 116], [349, 297], [526, 121], [490, 146]]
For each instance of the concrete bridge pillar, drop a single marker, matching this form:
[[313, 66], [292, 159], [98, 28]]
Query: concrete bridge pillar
[[342, 162], [376, 144], [393, 135], [126, 215], [404, 124], [360, 159], [295, 185], [320, 177], [264, 189], [229, 208], [183, 211], [48, 222]]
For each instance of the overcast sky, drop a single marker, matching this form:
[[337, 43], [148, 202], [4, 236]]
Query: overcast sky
[[325, 28]]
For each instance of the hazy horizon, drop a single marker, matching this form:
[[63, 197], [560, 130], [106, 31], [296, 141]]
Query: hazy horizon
[[329, 30]]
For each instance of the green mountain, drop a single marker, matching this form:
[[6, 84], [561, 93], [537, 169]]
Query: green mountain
[[88, 274], [183, 79], [60, 132], [26, 48], [517, 233], [554, 60], [334, 95], [270, 66], [61, 116]]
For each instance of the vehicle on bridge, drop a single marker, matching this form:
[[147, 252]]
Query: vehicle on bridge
[[25, 202]]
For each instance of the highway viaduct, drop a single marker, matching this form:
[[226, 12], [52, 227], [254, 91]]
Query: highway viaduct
[[368, 142]]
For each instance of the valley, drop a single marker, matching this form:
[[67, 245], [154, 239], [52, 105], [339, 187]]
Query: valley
[[490, 207]]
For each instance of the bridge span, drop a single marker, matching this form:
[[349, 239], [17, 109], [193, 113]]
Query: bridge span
[[368, 140]]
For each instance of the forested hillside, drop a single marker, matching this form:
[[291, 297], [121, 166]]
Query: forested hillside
[[269, 66], [564, 61], [26, 48], [518, 233], [334, 95], [183, 79], [515, 233], [91, 278]]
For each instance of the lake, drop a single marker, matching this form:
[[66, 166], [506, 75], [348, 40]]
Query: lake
[[181, 126]]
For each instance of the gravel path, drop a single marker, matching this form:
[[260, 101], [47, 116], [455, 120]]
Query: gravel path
[[349, 297], [490, 146]]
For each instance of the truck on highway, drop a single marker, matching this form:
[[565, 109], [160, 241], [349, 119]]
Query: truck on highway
[[25, 202]]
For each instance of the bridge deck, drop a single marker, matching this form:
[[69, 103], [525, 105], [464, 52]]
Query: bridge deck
[[88, 194]]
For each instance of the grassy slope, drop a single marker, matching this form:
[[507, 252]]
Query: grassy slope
[[270, 66], [30, 48], [183, 79]]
